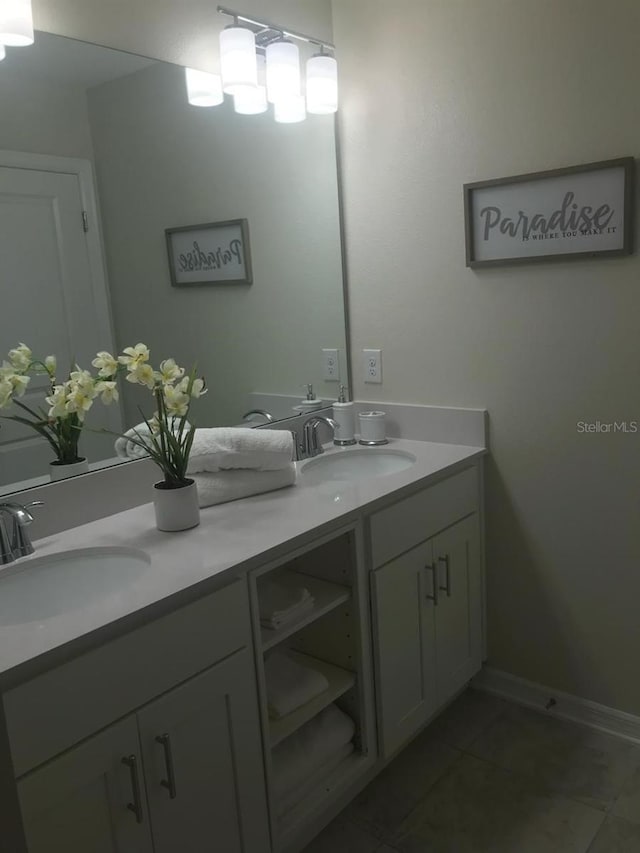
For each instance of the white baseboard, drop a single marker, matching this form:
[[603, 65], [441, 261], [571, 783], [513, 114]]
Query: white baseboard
[[558, 704]]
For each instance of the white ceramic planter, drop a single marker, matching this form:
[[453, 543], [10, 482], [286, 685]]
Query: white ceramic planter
[[58, 471], [176, 509]]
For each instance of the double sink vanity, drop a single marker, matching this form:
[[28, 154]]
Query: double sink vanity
[[134, 705]]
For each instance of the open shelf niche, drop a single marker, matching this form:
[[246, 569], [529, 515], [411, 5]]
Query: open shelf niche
[[332, 638]]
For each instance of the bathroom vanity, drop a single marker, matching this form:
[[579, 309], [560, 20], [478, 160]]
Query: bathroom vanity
[[139, 722]]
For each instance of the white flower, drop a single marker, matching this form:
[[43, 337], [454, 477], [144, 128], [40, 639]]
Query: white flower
[[50, 363], [106, 364], [176, 400], [82, 380], [57, 402], [133, 356], [197, 389], [169, 371], [6, 391], [20, 357], [78, 401], [142, 374], [108, 392], [7, 369], [19, 383], [154, 424]]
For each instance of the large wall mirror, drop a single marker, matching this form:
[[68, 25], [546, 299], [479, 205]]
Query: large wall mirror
[[93, 138]]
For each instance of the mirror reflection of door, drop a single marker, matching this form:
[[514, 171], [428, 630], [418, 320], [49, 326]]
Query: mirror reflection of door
[[53, 294]]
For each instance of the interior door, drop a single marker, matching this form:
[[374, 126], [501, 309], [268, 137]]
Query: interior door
[[203, 763], [48, 301], [456, 553], [79, 802], [405, 645]]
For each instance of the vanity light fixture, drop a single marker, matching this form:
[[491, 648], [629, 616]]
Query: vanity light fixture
[[16, 23], [322, 84], [3, 52], [284, 87], [238, 58], [250, 102], [283, 70], [203, 89], [290, 110]]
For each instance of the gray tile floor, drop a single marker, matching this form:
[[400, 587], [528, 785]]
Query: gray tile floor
[[492, 777]]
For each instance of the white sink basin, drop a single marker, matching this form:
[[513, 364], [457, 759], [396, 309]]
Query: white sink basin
[[355, 464], [44, 587]]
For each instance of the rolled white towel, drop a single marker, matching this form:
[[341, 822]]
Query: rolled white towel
[[232, 485], [282, 600], [225, 448], [127, 449], [290, 684]]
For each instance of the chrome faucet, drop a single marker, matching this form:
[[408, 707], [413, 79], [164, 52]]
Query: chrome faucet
[[15, 541], [265, 414], [311, 445]]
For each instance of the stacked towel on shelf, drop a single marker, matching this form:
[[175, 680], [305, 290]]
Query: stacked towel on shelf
[[314, 746], [227, 463], [228, 448], [290, 684], [283, 601], [296, 795]]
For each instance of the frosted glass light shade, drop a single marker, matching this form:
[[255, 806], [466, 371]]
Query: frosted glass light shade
[[238, 59], [290, 110], [16, 23], [3, 52], [251, 102], [203, 89], [322, 85], [283, 71]]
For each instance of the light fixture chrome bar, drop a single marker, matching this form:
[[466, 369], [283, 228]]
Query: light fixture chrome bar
[[271, 26]]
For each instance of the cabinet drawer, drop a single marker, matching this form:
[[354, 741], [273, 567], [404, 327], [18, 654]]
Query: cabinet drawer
[[61, 707], [411, 521]]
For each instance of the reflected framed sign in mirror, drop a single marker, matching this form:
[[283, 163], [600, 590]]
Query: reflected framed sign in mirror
[[100, 154]]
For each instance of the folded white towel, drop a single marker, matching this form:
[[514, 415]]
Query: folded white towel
[[314, 779], [290, 684], [293, 615], [303, 752], [283, 600], [224, 448], [232, 485]]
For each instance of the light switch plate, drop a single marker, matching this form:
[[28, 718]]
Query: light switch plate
[[372, 365]]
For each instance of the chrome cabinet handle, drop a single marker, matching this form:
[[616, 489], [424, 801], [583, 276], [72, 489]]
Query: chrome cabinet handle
[[447, 587], [131, 762], [435, 597], [170, 782]]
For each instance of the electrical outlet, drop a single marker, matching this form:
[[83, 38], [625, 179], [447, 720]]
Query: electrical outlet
[[372, 363], [330, 365]]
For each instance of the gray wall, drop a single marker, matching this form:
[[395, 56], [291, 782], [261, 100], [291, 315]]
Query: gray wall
[[440, 92], [44, 119]]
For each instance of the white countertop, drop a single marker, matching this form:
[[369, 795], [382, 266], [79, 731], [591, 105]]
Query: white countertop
[[231, 538]]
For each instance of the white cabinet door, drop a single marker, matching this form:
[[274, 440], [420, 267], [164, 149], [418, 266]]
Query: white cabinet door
[[404, 630], [89, 800], [203, 763], [456, 555]]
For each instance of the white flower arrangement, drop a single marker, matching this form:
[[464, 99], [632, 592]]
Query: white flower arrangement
[[68, 401], [171, 435]]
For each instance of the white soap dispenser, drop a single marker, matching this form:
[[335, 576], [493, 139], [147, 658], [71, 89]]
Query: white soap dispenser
[[343, 415], [310, 404]]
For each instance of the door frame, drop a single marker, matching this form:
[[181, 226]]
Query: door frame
[[83, 171]]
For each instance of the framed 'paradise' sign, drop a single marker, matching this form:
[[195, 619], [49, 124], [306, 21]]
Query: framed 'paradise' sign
[[214, 253], [565, 213]]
